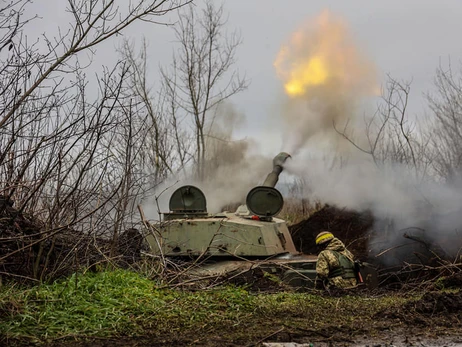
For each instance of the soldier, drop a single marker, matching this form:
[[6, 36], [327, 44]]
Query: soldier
[[335, 266]]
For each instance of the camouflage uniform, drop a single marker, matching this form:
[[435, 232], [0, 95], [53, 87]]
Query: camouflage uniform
[[330, 271]]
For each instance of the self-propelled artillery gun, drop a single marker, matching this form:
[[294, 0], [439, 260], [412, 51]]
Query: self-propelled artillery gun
[[250, 237]]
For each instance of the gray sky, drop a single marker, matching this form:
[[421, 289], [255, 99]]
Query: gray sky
[[408, 39]]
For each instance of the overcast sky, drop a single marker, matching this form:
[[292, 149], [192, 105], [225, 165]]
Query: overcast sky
[[408, 39]]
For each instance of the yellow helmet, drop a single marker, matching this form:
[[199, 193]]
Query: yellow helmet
[[324, 237]]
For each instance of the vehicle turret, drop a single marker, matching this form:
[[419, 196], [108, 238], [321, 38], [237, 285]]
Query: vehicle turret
[[252, 231]]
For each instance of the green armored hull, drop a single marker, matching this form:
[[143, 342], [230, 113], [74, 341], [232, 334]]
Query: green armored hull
[[224, 235]]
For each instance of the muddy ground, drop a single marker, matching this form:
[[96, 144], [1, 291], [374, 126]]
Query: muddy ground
[[283, 336], [434, 320]]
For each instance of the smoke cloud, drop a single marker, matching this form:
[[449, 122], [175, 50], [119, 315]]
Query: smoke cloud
[[325, 78], [428, 209], [232, 167]]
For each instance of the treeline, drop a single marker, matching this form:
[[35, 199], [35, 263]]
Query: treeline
[[77, 154]]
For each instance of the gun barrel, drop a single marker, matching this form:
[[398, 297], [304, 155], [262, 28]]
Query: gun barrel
[[278, 163]]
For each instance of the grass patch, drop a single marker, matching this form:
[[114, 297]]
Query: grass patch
[[112, 304], [124, 303]]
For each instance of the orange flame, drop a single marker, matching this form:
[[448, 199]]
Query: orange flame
[[312, 72], [319, 54]]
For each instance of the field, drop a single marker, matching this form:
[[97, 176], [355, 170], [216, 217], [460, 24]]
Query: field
[[123, 308], [416, 303]]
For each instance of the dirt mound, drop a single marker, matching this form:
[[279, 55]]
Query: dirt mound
[[349, 226], [17, 230], [444, 307], [452, 281], [29, 250], [437, 303]]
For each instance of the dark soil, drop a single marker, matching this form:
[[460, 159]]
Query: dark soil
[[440, 305], [256, 280], [352, 227]]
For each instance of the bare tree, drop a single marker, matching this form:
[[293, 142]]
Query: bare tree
[[446, 125], [69, 158], [200, 77], [94, 22], [391, 137], [166, 148]]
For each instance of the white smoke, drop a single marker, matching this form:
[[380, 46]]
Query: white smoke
[[232, 167], [390, 191], [327, 78]]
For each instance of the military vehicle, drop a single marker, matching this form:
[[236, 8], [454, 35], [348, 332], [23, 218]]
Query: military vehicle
[[232, 243], [228, 242]]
